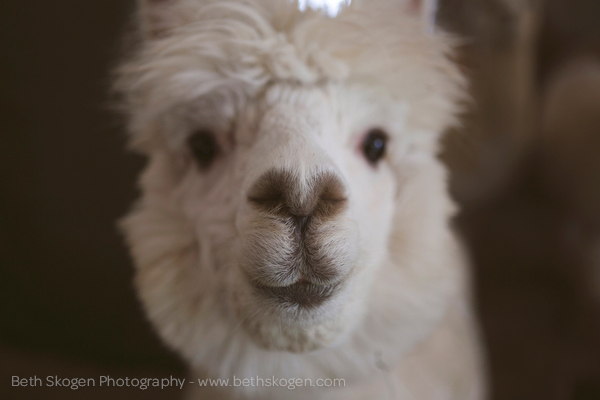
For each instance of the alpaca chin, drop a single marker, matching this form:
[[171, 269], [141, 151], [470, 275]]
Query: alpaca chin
[[279, 320], [274, 335]]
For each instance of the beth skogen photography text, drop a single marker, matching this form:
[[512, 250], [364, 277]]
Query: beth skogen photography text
[[164, 383]]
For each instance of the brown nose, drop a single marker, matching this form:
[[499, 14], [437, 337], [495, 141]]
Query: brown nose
[[306, 262], [287, 194]]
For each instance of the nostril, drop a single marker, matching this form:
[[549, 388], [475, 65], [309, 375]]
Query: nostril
[[270, 190], [267, 202]]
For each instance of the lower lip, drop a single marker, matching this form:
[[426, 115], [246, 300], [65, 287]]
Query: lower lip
[[301, 294]]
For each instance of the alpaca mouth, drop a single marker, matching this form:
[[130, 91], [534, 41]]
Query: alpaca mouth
[[301, 294]]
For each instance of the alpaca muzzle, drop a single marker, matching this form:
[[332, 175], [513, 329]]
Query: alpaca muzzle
[[300, 244]]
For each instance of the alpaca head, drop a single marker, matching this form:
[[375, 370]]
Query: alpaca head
[[291, 161]]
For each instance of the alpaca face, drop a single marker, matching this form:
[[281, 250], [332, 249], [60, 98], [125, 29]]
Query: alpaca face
[[291, 168], [295, 195]]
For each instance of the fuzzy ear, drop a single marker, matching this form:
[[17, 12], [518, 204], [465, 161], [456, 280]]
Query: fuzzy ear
[[427, 10], [157, 17]]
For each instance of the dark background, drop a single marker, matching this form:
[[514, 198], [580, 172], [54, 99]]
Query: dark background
[[526, 177]]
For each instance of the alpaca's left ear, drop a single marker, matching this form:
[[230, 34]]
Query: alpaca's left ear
[[157, 17], [426, 9]]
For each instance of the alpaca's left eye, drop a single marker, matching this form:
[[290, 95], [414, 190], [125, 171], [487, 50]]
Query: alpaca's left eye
[[204, 147], [374, 145]]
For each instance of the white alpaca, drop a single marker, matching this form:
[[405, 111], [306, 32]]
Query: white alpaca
[[294, 217]]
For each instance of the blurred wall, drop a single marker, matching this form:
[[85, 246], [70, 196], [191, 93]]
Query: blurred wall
[[526, 169], [65, 179]]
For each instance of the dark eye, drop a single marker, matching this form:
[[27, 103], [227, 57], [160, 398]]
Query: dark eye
[[204, 148], [373, 146]]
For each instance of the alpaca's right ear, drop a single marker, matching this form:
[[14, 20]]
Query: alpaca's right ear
[[157, 17]]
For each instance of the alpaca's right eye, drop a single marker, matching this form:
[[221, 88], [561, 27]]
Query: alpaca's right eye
[[374, 145], [204, 147]]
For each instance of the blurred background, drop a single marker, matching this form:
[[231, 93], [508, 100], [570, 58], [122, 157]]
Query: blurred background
[[525, 169]]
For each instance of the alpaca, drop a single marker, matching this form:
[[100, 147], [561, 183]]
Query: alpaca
[[294, 219]]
